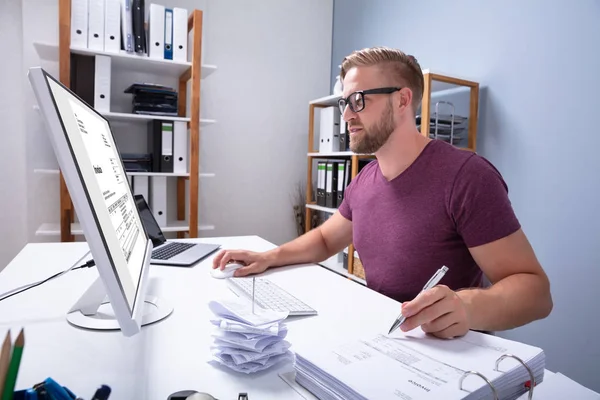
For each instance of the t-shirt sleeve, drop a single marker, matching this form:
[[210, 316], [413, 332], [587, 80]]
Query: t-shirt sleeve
[[479, 203]]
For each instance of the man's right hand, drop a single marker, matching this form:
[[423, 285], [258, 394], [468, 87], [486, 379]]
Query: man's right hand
[[255, 262]]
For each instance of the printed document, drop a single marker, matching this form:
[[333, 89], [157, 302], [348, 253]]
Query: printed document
[[417, 367]]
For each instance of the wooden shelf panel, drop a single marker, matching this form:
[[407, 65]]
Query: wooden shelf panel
[[327, 101], [127, 61]]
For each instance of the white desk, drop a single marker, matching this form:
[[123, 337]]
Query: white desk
[[172, 354]]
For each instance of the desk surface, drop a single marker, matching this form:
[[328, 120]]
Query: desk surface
[[170, 355]]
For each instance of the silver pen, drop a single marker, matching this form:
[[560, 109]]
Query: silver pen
[[434, 280]]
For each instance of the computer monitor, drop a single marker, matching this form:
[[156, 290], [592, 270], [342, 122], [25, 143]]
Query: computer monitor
[[95, 177]]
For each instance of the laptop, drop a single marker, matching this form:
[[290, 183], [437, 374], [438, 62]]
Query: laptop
[[168, 252]]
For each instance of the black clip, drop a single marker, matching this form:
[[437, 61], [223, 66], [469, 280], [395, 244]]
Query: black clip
[[243, 396]]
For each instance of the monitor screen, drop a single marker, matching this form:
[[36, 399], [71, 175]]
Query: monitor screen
[[106, 187]]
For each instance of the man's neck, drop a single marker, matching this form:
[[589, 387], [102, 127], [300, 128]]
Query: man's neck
[[400, 151]]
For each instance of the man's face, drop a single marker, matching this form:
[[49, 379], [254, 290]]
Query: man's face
[[370, 128]]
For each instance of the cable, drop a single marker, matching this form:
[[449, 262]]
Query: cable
[[87, 264]]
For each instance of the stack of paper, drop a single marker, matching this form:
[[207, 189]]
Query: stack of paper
[[416, 366], [248, 340]]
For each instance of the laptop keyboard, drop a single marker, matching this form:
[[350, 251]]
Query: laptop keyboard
[[170, 250]]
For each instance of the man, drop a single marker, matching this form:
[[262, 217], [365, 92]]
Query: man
[[420, 205]]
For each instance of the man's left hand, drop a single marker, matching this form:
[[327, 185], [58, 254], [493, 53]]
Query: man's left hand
[[438, 311]]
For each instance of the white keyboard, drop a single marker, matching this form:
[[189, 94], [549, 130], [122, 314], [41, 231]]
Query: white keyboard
[[270, 296]]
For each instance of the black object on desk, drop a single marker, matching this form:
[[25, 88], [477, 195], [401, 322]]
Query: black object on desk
[[194, 395]]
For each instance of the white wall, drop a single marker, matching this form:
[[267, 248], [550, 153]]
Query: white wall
[[273, 56], [13, 206]]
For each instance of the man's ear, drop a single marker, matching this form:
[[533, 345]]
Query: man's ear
[[405, 98]]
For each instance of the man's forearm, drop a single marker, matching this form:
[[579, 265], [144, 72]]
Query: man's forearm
[[514, 301], [308, 248]]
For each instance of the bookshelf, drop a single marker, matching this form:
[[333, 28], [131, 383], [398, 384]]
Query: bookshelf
[[193, 71], [443, 94]]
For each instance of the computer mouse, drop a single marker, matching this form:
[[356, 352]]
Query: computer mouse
[[227, 272]]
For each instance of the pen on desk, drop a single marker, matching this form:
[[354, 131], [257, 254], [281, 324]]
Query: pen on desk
[[434, 280], [253, 279]]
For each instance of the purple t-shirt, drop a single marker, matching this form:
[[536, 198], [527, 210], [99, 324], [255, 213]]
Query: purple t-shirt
[[445, 202]]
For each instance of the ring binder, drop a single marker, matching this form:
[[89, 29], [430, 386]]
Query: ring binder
[[462, 378], [531, 376]]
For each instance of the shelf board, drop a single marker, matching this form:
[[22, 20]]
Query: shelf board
[[53, 229], [48, 171], [326, 101], [332, 154], [321, 208], [130, 61], [115, 116]]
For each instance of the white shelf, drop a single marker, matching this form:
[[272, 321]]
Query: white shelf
[[129, 117], [53, 229], [124, 60], [321, 208], [45, 171], [115, 116], [331, 100], [332, 154]]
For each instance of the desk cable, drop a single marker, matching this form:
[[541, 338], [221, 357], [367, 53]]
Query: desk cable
[[87, 264]]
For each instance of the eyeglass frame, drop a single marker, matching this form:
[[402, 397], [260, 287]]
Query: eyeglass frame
[[343, 102]]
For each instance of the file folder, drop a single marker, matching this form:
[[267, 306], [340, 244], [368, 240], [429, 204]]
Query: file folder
[[168, 54], [341, 182], [138, 28], [102, 71], [96, 25], [180, 147], [331, 187], [79, 23], [126, 25], [321, 175], [158, 199], [161, 140], [156, 31], [329, 130], [112, 26], [180, 34]]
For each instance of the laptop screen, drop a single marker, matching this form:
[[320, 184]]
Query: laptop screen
[[154, 232]]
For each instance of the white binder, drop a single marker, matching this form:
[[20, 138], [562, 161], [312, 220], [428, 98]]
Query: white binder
[[102, 83], [180, 147], [112, 26], [329, 130], [180, 34], [96, 25], [79, 23], [158, 199], [141, 186], [156, 31]]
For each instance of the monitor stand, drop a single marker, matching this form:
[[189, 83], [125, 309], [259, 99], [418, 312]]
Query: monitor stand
[[93, 310]]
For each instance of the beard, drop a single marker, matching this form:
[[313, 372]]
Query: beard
[[372, 138]]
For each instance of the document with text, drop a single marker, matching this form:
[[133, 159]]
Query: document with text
[[411, 367]]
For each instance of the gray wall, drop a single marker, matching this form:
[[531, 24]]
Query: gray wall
[[536, 126]]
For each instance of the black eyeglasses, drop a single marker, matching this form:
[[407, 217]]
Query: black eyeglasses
[[356, 100]]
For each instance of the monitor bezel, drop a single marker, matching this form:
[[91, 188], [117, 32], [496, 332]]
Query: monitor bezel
[[129, 318]]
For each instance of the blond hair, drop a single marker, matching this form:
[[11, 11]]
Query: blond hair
[[403, 68]]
